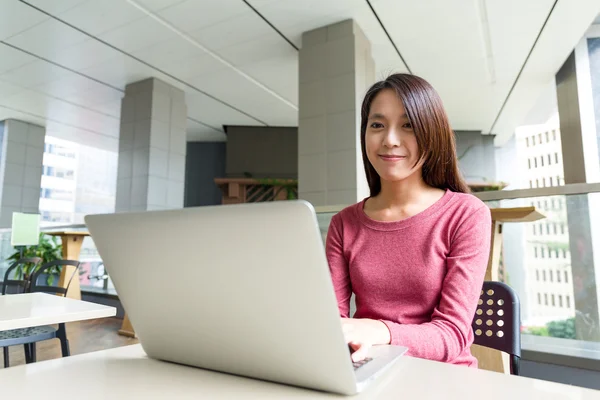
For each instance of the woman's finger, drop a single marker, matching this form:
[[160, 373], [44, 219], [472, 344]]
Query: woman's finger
[[361, 350]]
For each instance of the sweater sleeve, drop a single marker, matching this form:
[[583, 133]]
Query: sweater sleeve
[[448, 333], [338, 266]]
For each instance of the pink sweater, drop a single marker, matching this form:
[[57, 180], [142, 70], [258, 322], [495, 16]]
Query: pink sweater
[[421, 276]]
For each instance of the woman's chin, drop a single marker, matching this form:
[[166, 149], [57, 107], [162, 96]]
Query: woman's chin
[[395, 178]]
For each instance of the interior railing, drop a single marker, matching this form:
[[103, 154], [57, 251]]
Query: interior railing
[[92, 275]]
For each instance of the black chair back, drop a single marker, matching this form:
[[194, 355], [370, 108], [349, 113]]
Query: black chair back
[[43, 271], [497, 322], [15, 282]]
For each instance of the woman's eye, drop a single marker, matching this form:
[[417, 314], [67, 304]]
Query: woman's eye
[[407, 125], [376, 125]]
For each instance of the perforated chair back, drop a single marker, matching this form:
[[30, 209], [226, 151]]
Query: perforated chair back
[[497, 322], [14, 282], [39, 285]]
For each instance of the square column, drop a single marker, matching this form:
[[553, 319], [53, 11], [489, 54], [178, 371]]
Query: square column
[[152, 147], [336, 69], [20, 168]]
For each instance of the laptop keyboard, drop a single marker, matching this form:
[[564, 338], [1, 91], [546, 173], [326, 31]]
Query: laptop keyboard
[[359, 364]]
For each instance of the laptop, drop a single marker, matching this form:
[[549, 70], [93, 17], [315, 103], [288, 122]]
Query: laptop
[[241, 289]]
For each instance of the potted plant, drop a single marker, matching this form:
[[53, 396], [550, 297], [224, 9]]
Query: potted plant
[[48, 250]]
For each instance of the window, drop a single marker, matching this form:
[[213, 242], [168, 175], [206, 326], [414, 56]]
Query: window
[[541, 227], [560, 303], [556, 158], [548, 228], [558, 276], [553, 135], [535, 252], [549, 160], [546, 299], [551, 275], [530, 183], [537, 275], [544, 275], [555, 228], [553, 301], [534, 230], [527, 141], [568, 301], [551, 182], [543, 182], [539, 298], [537, 183], [533, 140], [529, 163], [562, 229], [539, 204], [549, 253], [566, 277], [534, 162], [540, 138], [545, 204], [547, 137], [542, 161], [564, 253]]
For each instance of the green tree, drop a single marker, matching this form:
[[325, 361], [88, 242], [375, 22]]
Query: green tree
[[562, 329]]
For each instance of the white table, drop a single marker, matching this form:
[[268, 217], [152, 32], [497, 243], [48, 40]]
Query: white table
[[126, 373], [36, 309]]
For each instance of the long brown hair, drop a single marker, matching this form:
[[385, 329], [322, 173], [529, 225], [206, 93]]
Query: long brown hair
[[435, 138]]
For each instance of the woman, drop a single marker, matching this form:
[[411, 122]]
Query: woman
[[415, 252]]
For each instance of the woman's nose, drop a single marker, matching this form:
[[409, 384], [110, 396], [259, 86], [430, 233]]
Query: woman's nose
[[392, 138]]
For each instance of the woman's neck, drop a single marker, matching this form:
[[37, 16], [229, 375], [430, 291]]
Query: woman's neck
[[402, 193], [402, 199]]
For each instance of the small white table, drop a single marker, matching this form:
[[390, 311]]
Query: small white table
[[127, 373], [35, 309]]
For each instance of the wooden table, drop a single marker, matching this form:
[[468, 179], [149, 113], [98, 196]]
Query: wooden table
[[127, 373], [71, 247], [36, 309], [71, 242], [494, 360]]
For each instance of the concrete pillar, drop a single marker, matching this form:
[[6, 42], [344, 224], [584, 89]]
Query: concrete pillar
[[336, 69], [580, 146], [20, 168], [152, 147]]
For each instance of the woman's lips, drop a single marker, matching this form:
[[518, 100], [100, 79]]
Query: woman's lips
[[391, 157]]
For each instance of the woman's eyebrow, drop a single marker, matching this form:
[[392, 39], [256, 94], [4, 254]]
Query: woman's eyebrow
[[381, 116]]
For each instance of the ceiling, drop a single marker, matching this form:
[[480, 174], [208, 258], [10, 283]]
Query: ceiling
[[64, 64]]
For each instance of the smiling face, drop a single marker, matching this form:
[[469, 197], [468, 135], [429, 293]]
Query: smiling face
[[390, 142]]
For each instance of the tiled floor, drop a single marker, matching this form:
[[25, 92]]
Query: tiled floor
[[84, 337]]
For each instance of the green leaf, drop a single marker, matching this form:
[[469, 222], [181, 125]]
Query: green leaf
[[48, 250]]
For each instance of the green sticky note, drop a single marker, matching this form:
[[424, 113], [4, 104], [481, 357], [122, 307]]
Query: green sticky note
[[25, 229]]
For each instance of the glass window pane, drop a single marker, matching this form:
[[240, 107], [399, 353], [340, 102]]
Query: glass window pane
[[560, 266]]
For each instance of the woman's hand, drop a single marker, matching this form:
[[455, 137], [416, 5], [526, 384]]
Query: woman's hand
[[361, 334]]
